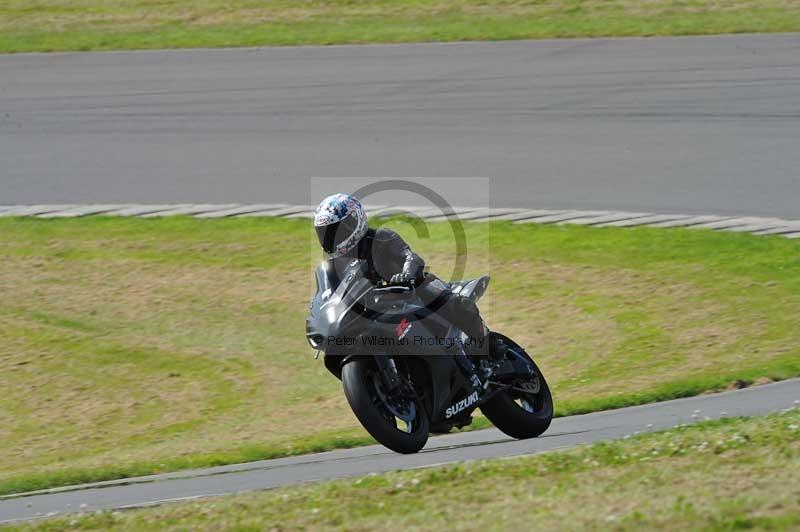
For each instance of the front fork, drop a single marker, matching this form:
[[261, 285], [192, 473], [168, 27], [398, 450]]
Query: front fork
[[388, 369]]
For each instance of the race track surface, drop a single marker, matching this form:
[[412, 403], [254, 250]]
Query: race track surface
[[688, 125], [564, 432]]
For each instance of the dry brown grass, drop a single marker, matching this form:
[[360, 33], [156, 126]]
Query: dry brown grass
[[128, 341], [60, 15]]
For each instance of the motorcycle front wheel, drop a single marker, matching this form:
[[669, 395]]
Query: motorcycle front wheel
[[398, 423]]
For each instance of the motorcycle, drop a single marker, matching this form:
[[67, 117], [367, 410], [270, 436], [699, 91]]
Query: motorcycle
[[396, 358]]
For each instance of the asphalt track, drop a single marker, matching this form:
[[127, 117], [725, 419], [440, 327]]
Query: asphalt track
[[690, 125], [564, 432]]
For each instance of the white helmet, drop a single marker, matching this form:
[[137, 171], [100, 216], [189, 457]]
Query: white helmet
[[340, 222]]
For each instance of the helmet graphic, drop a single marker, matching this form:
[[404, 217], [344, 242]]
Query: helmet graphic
[[340, 222]]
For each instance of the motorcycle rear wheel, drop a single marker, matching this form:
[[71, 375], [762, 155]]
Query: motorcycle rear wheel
[[378, 414], [518, 413]]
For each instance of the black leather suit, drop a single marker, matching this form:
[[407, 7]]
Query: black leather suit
[[387, 253]]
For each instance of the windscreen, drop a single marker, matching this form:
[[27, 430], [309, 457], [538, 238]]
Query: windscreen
[[342, 279]]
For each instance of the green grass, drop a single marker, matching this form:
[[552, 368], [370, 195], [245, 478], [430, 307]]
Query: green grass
[[723, 475], [49, 25], [135, 346]]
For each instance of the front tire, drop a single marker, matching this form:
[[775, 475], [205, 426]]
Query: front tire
[[522, 414], [362, 388]]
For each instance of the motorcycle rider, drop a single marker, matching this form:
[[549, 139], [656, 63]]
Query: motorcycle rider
[[341, 226]]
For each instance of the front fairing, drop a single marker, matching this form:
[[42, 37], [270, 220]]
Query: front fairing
[[341, 286]]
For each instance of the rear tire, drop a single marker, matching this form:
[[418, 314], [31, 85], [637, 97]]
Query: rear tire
[[510, 411], [358, 381]]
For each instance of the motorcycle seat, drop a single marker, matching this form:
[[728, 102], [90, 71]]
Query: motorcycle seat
[[471, 288]]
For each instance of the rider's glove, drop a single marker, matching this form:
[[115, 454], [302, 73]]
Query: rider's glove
[[401, 279]]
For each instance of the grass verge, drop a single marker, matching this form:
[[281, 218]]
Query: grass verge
[[137, 346], [53, 25], [721, 475]]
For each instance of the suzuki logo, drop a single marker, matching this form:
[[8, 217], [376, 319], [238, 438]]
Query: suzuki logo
[[468, 401]]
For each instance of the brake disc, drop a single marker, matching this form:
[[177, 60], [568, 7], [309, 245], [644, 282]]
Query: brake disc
[[406, 412], [531, 387]]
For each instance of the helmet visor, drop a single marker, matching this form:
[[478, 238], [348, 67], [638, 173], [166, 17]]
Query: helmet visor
[[332, 235]]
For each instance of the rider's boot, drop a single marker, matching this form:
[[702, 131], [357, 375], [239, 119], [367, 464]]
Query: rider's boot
[[470, 372], [497, 348]]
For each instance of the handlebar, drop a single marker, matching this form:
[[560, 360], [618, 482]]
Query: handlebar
[[394, 289]]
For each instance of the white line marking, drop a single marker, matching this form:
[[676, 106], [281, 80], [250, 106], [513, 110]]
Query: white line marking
[[395, 210], [432, 213], [788, 226], [459, 212], [751, 224], [527, 214], [189, 210], [492, 214], [764, 225], [563, 217], [688, 222], [139, 210], [33, 210], [244, 209], [729, 223], [292, 209], [649, 219], [85, 210], [611, 217]]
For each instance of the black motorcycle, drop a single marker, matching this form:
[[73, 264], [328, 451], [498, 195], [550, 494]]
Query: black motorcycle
[[396, 359]]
